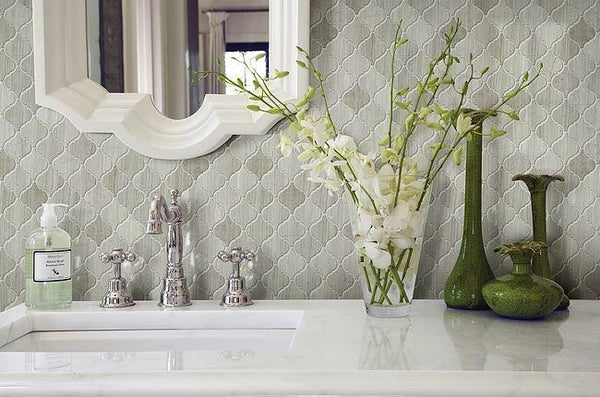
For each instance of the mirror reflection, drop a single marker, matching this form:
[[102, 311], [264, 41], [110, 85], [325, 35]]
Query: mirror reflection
[[149, 46]]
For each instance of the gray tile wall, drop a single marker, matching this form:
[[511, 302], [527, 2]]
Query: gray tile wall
[[246, 194]]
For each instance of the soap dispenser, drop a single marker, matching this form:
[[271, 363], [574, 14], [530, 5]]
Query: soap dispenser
[[48, 264]]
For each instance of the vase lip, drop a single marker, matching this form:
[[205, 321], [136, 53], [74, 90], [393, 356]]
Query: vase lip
[[524, 247], [538, 177]]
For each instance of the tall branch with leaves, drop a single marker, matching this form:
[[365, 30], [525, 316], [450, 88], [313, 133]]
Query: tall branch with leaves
[[387, 188]]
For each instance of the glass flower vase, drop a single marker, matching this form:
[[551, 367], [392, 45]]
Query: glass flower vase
[[388, 290]]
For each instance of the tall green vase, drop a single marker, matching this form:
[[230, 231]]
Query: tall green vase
[[538, 185], [472, 270]]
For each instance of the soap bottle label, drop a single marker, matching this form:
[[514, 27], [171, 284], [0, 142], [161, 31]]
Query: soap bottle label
[[51, 265]]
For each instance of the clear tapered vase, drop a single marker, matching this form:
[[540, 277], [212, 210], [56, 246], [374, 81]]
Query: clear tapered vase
[[388, 288]]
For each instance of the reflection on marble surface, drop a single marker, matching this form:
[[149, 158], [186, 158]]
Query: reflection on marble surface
[[383, 344], [527, 348], [50, 362], [237, 355], [174, 361], [466, 329]]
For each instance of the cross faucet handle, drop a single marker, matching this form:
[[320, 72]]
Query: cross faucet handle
[[117, 294], [235, 255], [118, 256], [236, 295]]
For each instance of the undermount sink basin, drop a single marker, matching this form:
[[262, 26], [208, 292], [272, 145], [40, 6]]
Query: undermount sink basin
[[151, 340], [147, 328]]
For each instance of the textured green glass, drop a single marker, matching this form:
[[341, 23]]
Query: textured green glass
[[522, 294], [538, 186], [472, 270]]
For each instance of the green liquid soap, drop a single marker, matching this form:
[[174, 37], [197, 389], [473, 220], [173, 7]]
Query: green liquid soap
[[48, 282]]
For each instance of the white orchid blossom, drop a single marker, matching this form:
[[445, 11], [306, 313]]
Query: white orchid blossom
[[463, 124], [285, 144]]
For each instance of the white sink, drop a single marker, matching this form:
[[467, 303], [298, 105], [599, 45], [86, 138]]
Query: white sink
[[147, 328], [151, 340]]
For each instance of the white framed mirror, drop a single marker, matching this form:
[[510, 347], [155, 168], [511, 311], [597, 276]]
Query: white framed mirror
[[144, 111]]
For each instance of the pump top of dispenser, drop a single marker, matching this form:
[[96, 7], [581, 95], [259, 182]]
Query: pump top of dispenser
[[49, 218]]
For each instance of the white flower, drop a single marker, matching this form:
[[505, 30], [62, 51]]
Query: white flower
[[381, 258], [463, 124], [398, 219], [318, 130], [342, 144], [285, 144], [383, 183]]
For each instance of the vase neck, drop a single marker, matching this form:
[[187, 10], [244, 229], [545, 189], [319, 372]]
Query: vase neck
[[472, 222], [521, 262], [538, 213]]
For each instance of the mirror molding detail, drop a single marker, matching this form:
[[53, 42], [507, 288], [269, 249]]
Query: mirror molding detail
[[62, 84]]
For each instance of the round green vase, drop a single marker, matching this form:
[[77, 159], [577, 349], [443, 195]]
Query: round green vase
[[471, 270], [522, 294], [538, 185]]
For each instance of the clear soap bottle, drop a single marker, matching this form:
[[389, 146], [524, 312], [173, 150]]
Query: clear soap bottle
[[48, 264]]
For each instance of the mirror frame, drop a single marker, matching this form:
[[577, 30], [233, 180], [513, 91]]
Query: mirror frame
[[62, 84]]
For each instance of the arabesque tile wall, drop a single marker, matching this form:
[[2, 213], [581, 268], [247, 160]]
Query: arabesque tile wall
[[246, 194]]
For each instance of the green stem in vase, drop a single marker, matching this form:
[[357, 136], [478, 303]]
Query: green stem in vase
[[368, 281], [407, 263]]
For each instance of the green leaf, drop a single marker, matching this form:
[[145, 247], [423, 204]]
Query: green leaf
[[399, 143], [403, 105], [275, 111], [255, 83], [301, 64], [389, 155], [385, 141], [513, 115], [254, 108], [496, 133], [300, 115], [485, 70], [434, 126], [300, 49], [239, 82], [409, 121], [510, 94], [424, 112], [260, 56], [403, 41], [281, 73], [457, 155], [526, 76], [402, 91]]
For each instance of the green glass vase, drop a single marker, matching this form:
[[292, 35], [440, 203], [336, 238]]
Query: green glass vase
[[522, 294], [472, 270], [538, 185]]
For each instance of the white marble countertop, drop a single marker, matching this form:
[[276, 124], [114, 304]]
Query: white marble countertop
[[333, 348]]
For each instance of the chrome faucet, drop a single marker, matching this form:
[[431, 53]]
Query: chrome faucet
[[174, 292]]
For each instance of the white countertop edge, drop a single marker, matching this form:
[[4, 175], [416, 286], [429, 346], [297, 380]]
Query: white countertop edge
[[406, 384]]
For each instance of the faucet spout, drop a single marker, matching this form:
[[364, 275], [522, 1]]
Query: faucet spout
[[174, 292], [157, 208]]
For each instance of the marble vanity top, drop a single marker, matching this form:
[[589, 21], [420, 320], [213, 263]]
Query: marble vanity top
[[297, 347]]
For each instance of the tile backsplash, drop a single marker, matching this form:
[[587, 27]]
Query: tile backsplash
[[246, 194]]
